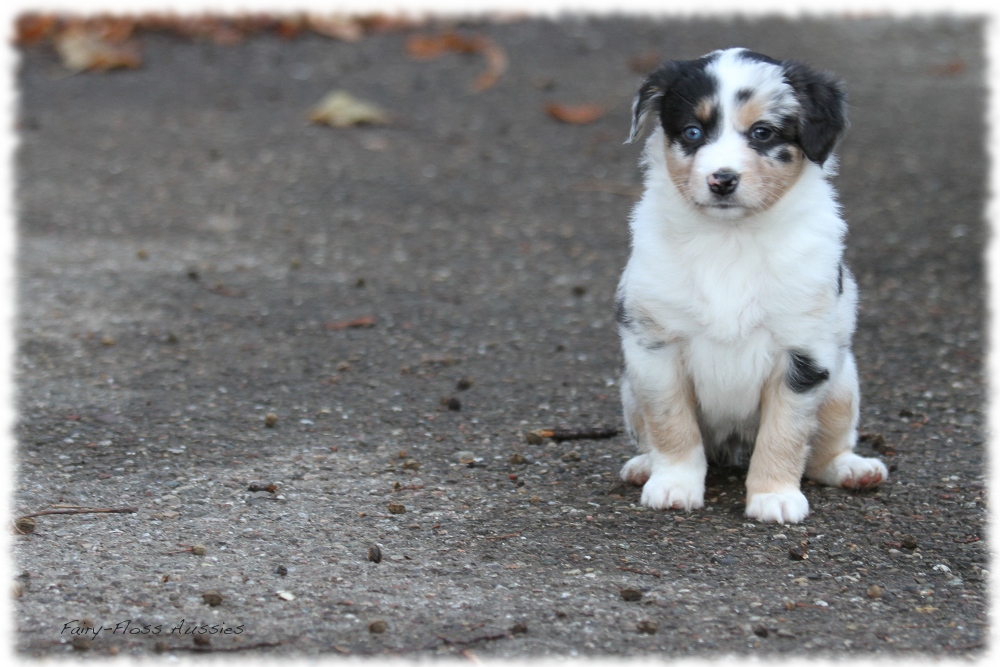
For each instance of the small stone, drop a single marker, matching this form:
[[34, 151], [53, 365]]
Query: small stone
[[201, 640], [411, 465], [270, 419], [789, 605], [874, 592], [285, 595], [463, 384], [212, 598], [378, 627], [281, 571], [519, 629], [25, 524], [797, 552], [908, 542], [199, 550], [161, 647], [785, 634], [374, 554], [571, 456], [631, 595], [142, 253], [397, 508], [760, 630], [533, 438], [534, 500], [647, 627], [515, 459], [107, 341], [81, 643], [114, 650], [454, 404]]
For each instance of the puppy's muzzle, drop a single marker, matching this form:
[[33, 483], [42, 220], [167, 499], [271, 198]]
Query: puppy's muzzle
[[723, 182]]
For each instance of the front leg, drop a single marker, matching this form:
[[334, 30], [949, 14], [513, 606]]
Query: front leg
[[659, 405], [787, 420]]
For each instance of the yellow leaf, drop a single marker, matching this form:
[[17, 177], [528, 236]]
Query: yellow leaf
[[341, 109]]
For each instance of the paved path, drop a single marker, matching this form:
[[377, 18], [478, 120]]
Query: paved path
[[187, 238]]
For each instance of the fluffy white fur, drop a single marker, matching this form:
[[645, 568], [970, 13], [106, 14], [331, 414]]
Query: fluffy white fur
[[715, 299]]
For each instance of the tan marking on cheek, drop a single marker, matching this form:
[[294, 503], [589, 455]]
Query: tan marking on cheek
[[679, 167], [767, 180], [748, 113]]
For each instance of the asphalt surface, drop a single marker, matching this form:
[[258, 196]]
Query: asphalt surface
[[188, 243]]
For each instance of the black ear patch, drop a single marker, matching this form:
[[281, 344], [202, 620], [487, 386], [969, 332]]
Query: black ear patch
[[824, 110], [650, 96]]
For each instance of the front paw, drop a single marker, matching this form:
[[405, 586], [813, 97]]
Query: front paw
[[853, 472], [788, 506], [636, 470], [678, 487]]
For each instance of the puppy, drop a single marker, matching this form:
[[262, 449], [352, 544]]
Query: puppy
[[735, 309]]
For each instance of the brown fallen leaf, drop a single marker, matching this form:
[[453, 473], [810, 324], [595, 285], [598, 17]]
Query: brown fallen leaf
[[82, 48], [337, 26], [428, 47], [341, 109], [361, 322], [580, 114]]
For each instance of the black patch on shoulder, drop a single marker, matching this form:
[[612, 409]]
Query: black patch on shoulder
[[804, 374], [743, 94], [840, 279]]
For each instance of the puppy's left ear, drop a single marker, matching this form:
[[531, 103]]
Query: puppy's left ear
[[824, 110]]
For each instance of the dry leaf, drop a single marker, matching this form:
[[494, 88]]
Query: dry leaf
[[580, 114], [35, 28], [428, 47], [341, 109], [338, 27], [82, 48]]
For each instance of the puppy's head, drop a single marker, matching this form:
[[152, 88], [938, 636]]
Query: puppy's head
[[739, 126]]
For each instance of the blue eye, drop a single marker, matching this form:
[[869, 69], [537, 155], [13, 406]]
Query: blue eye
[[761, 133], [692, 133]]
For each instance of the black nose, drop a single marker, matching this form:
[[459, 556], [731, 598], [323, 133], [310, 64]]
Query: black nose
[[723, 182]]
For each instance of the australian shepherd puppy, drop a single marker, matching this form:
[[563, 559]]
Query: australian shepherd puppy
[[735, 309]]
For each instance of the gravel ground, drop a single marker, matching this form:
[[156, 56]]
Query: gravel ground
[[188, 242]]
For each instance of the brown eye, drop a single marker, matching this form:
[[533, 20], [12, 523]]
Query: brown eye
[[761, 133]]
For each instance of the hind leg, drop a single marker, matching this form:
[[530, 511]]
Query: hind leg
[[659, 406], [832, 460]]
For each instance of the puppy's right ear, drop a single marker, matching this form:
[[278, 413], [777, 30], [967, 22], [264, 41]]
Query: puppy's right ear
[[646, 100], [649, 99]]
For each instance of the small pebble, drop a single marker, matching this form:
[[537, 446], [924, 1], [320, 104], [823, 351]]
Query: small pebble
[[908, 542], [374, 554], [397, 508], [533, 438], [631, 595], [107, 341], [647, 627], [454, 404], [463, 384], [81, 643], [201, 640], [571, 456], [199, 550], [515, 459], [286, 596], [270, 419], [377, 627], [161, 647], [142, 253], [518, 629], [25, 524], [798, 552], [281, 570], [785, 634], [874, 592], [212, 598], [411, 465], [760, 630]]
